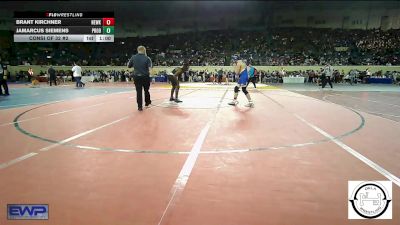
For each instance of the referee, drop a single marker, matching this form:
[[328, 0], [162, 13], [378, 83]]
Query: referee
[[142, 65]]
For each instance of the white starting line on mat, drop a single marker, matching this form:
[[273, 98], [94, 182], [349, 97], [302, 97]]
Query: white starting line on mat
[[187, 168], [82, 134], [31, 154], [353, 152], [63, 100], [52, 114], [369, 100], [70, 110], [65, 111], [19, 159], [359, 156]]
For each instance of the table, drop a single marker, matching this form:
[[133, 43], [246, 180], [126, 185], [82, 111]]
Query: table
[[293, 80], [379, 80], [85, 79]]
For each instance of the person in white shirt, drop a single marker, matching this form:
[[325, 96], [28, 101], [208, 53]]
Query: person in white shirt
[[191, 74], [367, 72], [283, 72], [327, 75], [78, 75], [353, 74]]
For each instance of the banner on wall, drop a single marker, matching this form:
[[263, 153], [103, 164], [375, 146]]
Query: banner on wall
[[341, 49]]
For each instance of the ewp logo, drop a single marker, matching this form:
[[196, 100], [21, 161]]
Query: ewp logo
[[28, 212]]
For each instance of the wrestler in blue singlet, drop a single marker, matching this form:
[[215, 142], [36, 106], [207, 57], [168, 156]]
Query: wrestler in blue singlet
[[243, 78], [241, 68]]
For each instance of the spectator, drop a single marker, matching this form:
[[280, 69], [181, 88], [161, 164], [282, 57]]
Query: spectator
[[77, 73], [327, 76]]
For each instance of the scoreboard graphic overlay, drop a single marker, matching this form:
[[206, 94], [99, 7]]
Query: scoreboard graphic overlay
[[64, 26]]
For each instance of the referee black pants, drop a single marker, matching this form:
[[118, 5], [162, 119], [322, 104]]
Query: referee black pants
[[53, 79], [326, 80], [142, 82]]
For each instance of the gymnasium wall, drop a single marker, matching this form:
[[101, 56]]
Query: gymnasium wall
[[141, 18], [37, 69]]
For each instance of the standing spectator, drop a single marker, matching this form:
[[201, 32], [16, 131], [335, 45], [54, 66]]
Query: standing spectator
[[52, 76], [205, 75], [21, 73], [327, 75], [367, 75], [227, 77], [63, 76], [311, 77], [142, 65], [342, 74], [103, 76], [78, 75], [353, 76], [191, 74], [212, 78], [319, 76], [283, 72], [336, 76], [3, 79], [220, 73], [396, 77]]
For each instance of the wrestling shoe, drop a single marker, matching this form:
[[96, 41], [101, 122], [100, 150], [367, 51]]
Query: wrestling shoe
[[233, 102], [171, 99], [250, 104], [177, 100]]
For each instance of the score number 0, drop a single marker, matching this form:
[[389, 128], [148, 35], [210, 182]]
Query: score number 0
[[108, 21]]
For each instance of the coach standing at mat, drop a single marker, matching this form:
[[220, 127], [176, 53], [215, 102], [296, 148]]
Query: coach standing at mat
[[52, 75], [142, 65]]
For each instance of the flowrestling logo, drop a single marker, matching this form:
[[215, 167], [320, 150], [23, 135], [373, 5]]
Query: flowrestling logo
[[28, 211], [370, 200]]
